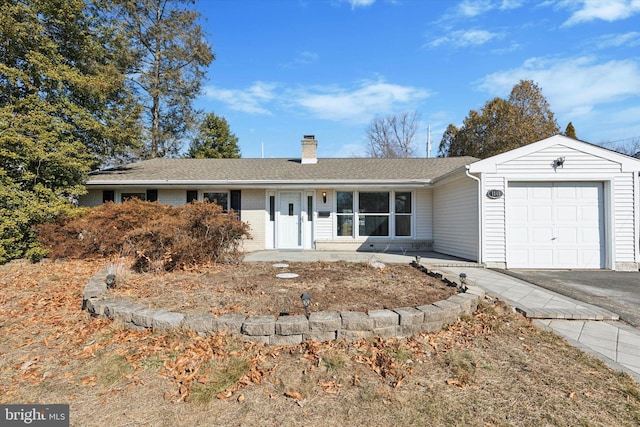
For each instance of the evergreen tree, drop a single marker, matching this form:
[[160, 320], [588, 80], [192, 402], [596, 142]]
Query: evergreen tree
[[570, 131], [214, 140], [64, 110]]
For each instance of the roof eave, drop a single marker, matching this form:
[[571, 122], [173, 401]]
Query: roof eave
[[261, 183]]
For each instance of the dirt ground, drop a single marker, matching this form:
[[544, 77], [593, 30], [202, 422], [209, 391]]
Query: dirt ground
[[254, 289], [494, 368]]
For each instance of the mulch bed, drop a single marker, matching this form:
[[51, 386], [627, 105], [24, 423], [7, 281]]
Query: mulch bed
[[254, 289]]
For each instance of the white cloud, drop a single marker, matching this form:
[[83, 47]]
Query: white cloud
[[464, 38], [303, 58], [511, 4], [359, 104], [249, 100], [630, 39], [471, 8], [606, 10], [360, 3], [572, 86]]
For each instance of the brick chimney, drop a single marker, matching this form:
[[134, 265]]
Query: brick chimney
[[309, 149]]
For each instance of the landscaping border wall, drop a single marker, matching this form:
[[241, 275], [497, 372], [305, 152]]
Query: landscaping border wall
[[289, 330]]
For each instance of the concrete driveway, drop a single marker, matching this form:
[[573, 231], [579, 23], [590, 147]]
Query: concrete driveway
[[615, 291]]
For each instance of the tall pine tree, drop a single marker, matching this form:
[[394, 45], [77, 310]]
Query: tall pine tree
[[214, 140], [570, 131], [170, 58]]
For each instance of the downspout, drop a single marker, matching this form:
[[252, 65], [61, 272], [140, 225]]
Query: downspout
[[480, 230]]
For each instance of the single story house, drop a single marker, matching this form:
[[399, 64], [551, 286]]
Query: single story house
[[555, 203]]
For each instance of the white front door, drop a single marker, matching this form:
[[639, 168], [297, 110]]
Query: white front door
[[555, 225], [289, 221]]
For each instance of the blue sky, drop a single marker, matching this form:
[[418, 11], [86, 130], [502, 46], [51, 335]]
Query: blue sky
[[287, 68]]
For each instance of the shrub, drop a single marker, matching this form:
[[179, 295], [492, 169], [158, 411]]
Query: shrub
[[156, 236], [20, 211]]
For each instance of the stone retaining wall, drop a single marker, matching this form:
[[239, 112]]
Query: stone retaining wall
[[288, 330]]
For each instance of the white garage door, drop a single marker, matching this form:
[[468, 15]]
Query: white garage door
[[555, 225]]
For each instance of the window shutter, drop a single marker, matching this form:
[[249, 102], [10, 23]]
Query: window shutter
[[108, 196], [272, 208], [152, 195], [236, 202]]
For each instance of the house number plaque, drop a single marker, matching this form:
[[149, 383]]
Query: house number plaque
[[494, 194]]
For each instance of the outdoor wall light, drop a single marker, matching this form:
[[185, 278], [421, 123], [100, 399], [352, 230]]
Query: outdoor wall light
[[306, 300], [417, 259], [463, 279], [324, 197], [463, 282], [111, 279], [559, 162]]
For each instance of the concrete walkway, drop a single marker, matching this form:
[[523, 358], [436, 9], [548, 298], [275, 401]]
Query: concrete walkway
[[427, 258], [592, 329]]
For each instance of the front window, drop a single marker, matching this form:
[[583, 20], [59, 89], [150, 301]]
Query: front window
[[345, 213], [220, 199], [403, 214], [376, 213], [373, 214]]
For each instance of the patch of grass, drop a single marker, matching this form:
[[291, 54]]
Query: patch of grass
[[221, 379], [121, 271], [466, 317], [333, 362], [402, 355], [153, 362], [461, 364], [113, 369]]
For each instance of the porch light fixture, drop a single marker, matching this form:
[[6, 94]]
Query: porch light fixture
[[417, 259], [559, 162], [324, 197], [306, 300]]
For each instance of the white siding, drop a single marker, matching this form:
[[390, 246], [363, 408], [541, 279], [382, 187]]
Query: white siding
[[252, 211], [577, 162], [494, 221], [619, 197], [424, 214], [166, 196], [455, 218], [91, 199], [172, 197], [324, 226], [624, 219]]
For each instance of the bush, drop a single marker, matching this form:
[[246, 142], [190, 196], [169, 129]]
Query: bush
[[157, 237], [20, 211]]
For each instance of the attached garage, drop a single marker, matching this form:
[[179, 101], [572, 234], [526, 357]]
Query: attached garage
[[555, 225], [558, 203]]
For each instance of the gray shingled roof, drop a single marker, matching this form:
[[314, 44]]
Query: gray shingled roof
[[274, 171]]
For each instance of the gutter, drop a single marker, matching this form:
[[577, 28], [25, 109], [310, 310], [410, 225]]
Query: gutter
[[480, 210], [257, 183]]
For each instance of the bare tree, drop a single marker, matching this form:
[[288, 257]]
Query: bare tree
[[393, 136], [629, 147]]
